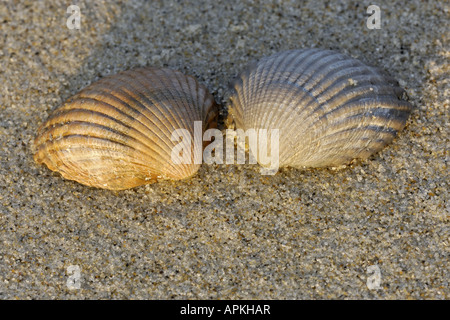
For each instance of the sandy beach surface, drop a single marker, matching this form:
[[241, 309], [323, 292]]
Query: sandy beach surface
[[377, 229]]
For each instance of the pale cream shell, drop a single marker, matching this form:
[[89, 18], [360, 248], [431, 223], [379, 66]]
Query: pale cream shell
[[329, 108]]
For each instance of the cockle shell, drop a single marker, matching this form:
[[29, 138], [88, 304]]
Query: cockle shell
[[329, 108], [116, 133]]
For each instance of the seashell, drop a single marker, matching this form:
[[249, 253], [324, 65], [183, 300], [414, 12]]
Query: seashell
[[329, 108], [116, 133]]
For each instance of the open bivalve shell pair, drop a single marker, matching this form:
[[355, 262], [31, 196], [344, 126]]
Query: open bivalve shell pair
[[118, 132]]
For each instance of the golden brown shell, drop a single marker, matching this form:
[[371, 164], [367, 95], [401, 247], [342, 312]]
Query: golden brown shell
[[116, 133]]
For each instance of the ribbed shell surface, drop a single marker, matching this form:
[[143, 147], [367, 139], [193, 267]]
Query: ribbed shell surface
[[116, 133], [329, 108]]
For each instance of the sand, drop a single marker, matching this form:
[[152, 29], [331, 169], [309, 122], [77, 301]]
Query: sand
[[377, 229]]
